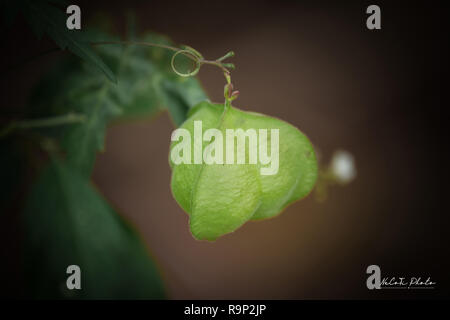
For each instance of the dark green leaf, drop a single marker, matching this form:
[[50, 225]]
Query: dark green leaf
[[44, 18], [68, 223], [179, 97]]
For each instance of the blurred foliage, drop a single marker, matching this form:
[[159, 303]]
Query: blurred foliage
[[66, 220], [146, 85]]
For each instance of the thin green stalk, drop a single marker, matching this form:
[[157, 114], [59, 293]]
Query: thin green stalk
[[41, 123]]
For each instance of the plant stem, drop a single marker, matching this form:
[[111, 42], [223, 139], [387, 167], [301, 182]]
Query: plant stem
[[141, 43], [43, 122], [198, 60]]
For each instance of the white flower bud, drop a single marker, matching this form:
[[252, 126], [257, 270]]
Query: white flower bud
[[343, 166]]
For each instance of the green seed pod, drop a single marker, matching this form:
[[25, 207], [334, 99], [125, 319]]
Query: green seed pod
[[221, 193]]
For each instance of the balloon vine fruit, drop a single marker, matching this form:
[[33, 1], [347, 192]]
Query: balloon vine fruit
[[220, 198]]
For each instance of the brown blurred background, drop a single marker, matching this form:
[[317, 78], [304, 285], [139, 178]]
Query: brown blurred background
[[378, 94]]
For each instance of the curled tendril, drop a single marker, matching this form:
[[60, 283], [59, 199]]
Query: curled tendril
[[199, 61], [186, 50], [189, 54]]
